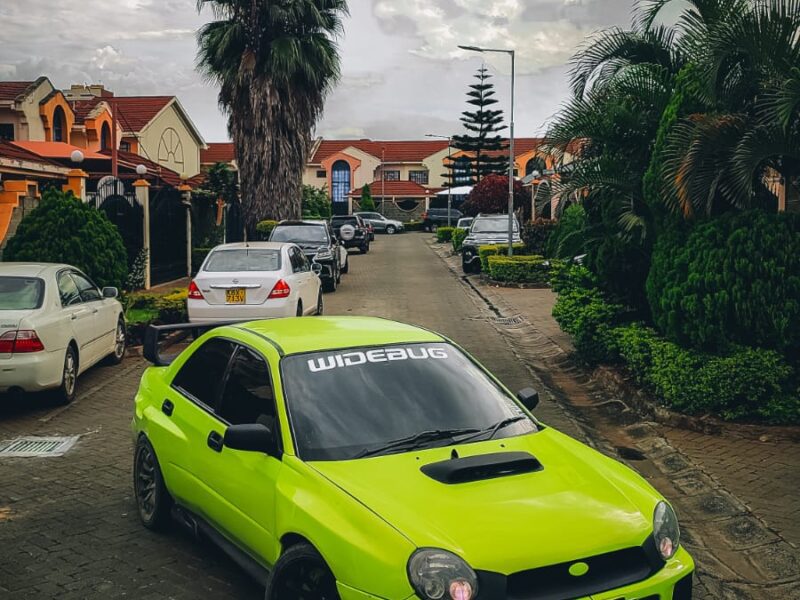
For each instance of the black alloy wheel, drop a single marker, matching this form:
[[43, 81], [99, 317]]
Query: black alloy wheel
[[152, 499], [301, 574]]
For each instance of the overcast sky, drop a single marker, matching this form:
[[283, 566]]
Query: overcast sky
[[402, 74]]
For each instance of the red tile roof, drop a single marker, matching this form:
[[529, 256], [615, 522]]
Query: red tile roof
[[406, 189], [218, 152], [82, 108], [55, 149], [12, 151], [394, 151], [135, 112], [129, 160], [10, 90]]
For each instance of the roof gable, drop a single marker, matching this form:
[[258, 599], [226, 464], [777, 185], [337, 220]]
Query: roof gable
[[136, 112]]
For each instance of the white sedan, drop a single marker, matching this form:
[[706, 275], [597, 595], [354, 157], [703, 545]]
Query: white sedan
[[254, 280], [54, 324]]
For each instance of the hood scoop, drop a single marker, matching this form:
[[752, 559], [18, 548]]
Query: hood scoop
[[484, 466]]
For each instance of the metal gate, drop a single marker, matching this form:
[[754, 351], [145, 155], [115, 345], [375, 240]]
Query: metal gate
[[167, 236], [118, 202]]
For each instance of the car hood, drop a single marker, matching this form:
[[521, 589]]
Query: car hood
[[491, 238], [569, 509]]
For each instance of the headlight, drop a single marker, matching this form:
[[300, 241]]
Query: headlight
[[441, 575], [323, 255], [666, 532]]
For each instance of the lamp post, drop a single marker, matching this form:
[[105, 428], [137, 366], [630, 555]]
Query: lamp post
[[449, 139], [511, 157]]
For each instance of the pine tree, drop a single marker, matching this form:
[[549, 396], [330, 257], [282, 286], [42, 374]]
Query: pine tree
[[481, 140], [367, 203]]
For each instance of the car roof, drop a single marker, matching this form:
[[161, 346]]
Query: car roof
[[297, 223], [251, 246], [295, 336], [30, 269]]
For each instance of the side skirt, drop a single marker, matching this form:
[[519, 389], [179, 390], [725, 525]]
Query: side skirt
[[201, 528]]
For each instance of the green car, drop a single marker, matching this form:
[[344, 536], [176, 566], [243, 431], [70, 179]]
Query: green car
[[360, 458]]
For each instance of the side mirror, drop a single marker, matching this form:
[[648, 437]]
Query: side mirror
[[252, 438], [317, 268], [529, 398], [110, 292]]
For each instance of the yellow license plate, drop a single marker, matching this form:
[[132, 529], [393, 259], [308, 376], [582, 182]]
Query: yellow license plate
[[236, 296]]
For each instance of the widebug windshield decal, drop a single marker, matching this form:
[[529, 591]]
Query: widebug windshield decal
[[377, 355]]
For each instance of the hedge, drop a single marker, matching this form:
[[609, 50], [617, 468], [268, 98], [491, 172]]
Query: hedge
[[519, 269], [484, 252], [742, 383], [444, 234], [459, 235], [264, 228], [536, 234]]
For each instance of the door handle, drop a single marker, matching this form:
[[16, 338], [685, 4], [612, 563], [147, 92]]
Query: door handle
[[215, 441], [167, 407]]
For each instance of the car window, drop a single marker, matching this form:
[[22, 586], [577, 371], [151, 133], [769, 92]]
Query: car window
[[339, 221], [243, 259], [343, 402], [247, 396], [21, 293], [300, 234], [296, 258], [88, 290], [201, 375], [67, 290], [492, 225]]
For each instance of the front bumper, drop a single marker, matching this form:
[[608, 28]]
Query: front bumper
[[469, 254], [662, 585], [32, 372]]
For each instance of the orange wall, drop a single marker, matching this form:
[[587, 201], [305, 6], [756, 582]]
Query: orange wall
[[47, 110]]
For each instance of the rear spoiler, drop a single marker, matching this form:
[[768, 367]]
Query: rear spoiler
[[156, 333]]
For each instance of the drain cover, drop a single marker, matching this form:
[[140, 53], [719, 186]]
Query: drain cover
[[509, 321], [26, 447]]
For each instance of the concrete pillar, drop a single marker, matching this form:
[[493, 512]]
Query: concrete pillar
[[782, 194], [186, 193], [76, 183], [143, 198]]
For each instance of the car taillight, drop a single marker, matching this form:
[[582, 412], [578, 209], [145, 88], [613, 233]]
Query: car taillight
[[281, 290], [194, 291], [22, 341]]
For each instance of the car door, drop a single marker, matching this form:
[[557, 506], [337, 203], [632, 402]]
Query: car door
[[99, 329], [179, 430], [244, 482], [305, 278], [76, 312], [108, 314]]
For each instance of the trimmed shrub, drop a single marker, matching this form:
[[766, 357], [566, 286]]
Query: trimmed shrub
[[444, 234], [366, 203], [569, 237], [264, 228], [62, 229], [586, 315], [732, 280], [519, 269], [459, 235], [172, 307], [536, 234], [484, 252]]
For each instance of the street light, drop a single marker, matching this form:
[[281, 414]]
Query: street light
[[450, 163], [511, 157]]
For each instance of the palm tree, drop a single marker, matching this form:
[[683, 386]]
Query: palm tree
[[275, 63]]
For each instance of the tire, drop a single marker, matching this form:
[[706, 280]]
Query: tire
[[119, 349], [467, 267], [338, 277], [346, 267], [329, 285], [153, 502], [364, 249], [299, 308], [434, 227], [320, 305], [390, 230], [65, 393], [301, 574]]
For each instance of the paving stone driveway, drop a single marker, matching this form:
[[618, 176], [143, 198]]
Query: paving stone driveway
[[68, 527]]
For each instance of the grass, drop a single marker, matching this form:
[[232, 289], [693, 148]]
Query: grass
[[140, 315]]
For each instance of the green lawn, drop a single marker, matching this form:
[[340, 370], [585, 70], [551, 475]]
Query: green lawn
[[140, 315]]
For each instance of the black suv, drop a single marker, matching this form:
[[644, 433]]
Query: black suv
[[319, 246], [359, 239], [437, 217]]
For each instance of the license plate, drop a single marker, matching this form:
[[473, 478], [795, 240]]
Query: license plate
[[235, 296]]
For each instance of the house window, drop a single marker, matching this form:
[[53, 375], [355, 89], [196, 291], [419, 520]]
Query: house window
[[340, 181], [59, 125], [420, 177], [534, 164], [125, 146], [462, 171], [321, 174], [105, 137], [7, 132], [391, 175]]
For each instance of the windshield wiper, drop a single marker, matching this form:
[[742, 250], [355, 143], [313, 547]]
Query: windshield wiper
[[493, 429], [415, 441]]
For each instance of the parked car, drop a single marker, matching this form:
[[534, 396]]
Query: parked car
[[318, 243], [352, 230], [485, 230], [381, 223], [55, 323], [255, 280], [437, 217], [352, 458], [464, 223]]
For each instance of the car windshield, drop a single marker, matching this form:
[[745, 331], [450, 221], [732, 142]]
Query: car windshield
[[495, 225], [300, 234], [21, 293], [243, 259], [348, 403]]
